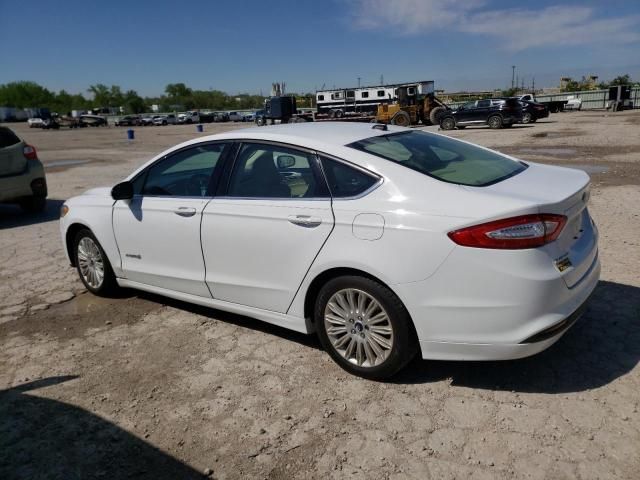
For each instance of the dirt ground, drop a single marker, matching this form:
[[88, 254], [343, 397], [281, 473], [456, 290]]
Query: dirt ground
[[145, 387]]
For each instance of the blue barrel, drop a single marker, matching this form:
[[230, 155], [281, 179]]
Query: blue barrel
[[130, 134], [199, 128]]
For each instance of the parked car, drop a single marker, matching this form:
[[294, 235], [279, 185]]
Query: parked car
[[164, 119], [389, 243], [35, 122], [220, 117], [147, 120], [248, 116], [532, 111], [22, 178], [189, 117], [573, 103], [236, 116], [128, 121], [495, 112]]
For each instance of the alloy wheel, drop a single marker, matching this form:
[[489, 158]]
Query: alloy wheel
[[358, 327], [90, 262]]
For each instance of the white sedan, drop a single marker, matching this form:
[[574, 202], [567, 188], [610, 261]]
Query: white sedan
[[386, 241]]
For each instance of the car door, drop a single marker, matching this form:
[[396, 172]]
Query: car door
[[261, 235], [158, 231], [481, 111], [465, 112]]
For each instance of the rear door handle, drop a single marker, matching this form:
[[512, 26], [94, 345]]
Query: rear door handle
[[185, 211], [305, 221]]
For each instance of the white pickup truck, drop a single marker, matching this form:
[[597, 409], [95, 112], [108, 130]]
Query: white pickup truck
[[571, 103], [189, 117]]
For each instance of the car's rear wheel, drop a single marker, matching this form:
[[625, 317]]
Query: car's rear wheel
[[448, 123], [495, 122], [526, 118], [33, 204], [93, 265], [364, 327]]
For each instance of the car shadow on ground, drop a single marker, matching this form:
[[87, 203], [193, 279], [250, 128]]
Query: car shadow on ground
[[232, 318], [41, 438], [12, 216], [601, 347]]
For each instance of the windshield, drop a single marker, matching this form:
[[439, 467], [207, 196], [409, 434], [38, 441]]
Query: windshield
[[442, 158]]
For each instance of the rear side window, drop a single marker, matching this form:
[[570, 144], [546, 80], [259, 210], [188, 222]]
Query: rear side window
[[7, 137], [442, 158], [344, 180]]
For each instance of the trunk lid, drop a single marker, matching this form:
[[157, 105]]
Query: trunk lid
[[563, 191]]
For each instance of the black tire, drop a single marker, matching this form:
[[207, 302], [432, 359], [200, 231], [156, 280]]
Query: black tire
[[448, 123], [401, 118], [494, 121], [339, 114], [404, 341], [434, 115], [109, 284], [260, 121], [527, 118], [33, 204]]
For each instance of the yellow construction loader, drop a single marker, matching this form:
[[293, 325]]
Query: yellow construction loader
[[410, 109]]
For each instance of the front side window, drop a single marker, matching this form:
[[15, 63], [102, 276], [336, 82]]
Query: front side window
[[344, 180], [273, 171], [186, 173], [484, 103], [442, 158], [469, 105]]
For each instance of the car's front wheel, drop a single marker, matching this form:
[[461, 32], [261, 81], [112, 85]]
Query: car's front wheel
[[448, 123], [93, 265], [364, 327]]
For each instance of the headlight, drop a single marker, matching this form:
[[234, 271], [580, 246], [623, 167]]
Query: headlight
[[63, 210]]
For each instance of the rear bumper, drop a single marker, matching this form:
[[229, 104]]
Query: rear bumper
[[496, 308], [30, 182]]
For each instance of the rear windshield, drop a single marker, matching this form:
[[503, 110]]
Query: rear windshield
[[442, 158], [7, 137]]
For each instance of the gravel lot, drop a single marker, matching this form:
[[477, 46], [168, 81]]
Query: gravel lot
[[142, 386]]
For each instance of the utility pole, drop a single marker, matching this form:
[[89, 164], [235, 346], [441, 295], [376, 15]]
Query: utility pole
[[358, 82], [533, 85], [513, 75], [381, 79], [517, 82]]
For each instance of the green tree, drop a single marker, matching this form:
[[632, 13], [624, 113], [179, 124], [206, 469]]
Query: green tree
[[101, 95], [621, 80], [24, 94], [133, 103]]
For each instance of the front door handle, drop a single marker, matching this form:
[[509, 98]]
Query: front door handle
[[305, 221], [185, 211]]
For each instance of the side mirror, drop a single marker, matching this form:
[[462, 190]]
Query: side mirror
[[285, 161], [122, 191]]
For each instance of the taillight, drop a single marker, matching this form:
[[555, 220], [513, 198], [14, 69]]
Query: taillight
[[525, 231], [30, 152]]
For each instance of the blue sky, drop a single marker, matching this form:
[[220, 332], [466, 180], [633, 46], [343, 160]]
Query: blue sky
[[244, 46]]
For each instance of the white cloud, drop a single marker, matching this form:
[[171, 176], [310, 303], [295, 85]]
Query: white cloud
[[516, 28]]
